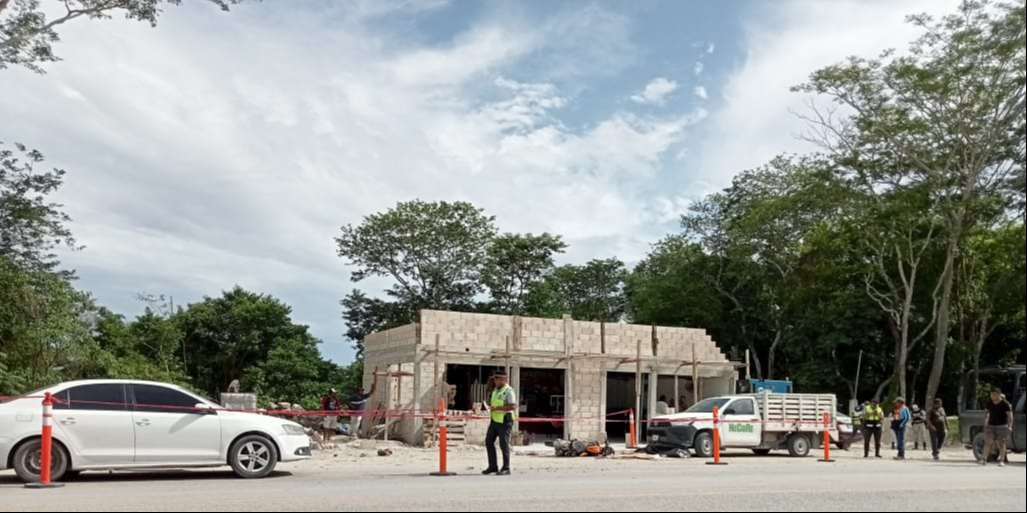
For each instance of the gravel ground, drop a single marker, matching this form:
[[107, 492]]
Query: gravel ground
[[356, 479]]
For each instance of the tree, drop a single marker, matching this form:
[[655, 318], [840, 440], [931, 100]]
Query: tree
[[758, 228], [225, 336], [31, 228], [898, 230], [292, 372], [365, 315], [593, 292], [948, 115], [663, 288], [514, 263], [434, 251], [28, 32]]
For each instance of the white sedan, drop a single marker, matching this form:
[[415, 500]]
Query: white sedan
[[120, 425]]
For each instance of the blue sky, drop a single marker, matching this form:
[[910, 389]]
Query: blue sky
[[222, 149]]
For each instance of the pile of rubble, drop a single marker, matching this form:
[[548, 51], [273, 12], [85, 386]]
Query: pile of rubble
[[312, 425]]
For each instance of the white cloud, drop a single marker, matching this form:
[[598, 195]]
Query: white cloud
[[656, 92], [702, 93], [783, 45], [711, 48], [200, 158], [700, 67]]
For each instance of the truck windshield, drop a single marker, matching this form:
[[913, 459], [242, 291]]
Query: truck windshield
[[708, 405]]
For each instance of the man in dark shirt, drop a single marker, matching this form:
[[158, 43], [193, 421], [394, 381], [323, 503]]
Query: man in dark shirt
[[998, 425], [938, 425]]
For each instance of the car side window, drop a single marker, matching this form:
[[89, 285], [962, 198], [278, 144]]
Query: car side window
[[154, 399], [1020, 408], [92, 398], [743, 407]]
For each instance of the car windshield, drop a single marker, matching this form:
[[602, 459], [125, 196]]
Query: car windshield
[[708, 405]]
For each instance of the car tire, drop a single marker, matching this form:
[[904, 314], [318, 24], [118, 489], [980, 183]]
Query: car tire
[[799, 446], [761, 452], [27, 462], [253, 457], [978, 449], [703, 445]]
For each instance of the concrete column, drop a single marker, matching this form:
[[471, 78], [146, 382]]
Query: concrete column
[[569, 403]]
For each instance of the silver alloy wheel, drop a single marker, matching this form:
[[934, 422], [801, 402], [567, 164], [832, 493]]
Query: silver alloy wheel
[[255, 456]]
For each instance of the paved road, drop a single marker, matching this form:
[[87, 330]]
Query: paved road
[[748, 484]]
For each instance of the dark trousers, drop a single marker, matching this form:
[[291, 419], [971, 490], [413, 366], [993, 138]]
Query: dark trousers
[[502, 433], [937, 441], [872, 432]]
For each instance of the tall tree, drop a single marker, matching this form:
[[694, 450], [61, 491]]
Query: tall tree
[[435, 252], [514, 263], [594, 292], [947, 115], [31, 226], [365, 315], [28, 32], [758, 227]]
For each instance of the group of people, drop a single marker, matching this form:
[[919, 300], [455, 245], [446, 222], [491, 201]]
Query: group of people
[[332, 406], [933, 424]]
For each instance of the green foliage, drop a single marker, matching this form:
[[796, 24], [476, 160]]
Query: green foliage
[[514, 264], [594, 292], [365, 315], [28, 31], [30, 227], [663, 289], [435, 252]]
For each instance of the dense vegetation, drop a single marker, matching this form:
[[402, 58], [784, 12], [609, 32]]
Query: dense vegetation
[[900, 244]]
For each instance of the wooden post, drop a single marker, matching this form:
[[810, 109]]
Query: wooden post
[[439, 393], [677, 391], [696, 380], [508, 358], [748, 373], [638, 389]]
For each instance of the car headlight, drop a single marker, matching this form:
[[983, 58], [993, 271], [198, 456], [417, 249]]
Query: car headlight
[[293, 430]]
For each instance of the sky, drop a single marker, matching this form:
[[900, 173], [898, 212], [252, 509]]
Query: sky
[[229, 149]]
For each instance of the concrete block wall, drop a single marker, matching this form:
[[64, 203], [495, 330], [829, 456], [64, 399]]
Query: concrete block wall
[[475, 335]]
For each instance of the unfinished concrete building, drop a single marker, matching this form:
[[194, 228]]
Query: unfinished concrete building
[[578, 372]]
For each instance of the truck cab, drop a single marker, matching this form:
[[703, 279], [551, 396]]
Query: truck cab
[[976, 388]]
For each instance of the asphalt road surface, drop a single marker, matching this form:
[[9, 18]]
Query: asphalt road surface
[[546, 484]]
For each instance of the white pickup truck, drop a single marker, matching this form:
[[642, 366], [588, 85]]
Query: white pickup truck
[[761, 423]]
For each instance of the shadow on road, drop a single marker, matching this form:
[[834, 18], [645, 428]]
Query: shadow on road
[[11, 481]]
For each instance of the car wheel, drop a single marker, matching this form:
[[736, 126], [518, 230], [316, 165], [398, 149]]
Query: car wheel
[[253, 457], [761, 452], [798, 446], [704, 445], [28, 461]]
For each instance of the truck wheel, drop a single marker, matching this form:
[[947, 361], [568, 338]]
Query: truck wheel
[[798, 446], [761, 452], [979, 449], [703, 445], [28, 459]]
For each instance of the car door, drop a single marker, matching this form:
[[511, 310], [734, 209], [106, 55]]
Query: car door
[[741, 425], [169, 428], [96, 421]]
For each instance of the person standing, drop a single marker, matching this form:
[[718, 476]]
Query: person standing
[[919, 429], [358, 405], [938, 425], [330, 406], [900, 422], [503, 410], [998, 425], [873, 427]]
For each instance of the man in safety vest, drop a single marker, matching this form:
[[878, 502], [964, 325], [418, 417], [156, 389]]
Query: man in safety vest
[[503, 410], [873, 427]]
